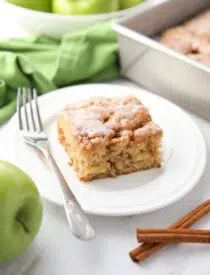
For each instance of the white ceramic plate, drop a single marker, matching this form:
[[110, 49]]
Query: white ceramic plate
[[183, 147]]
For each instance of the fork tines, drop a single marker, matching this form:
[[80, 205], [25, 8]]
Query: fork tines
[[29, 115]]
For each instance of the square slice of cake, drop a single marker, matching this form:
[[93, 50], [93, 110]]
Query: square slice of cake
[[106, 137]]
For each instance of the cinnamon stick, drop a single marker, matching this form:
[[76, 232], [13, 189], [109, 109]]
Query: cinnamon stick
[[145, 250], [173, 236], [172, 231]]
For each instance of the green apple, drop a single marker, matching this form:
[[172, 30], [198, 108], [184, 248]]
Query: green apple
[[75, 7], [40, 5], [125, 4], [20, 211]]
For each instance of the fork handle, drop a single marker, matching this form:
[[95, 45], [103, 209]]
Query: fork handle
[[77, 219]]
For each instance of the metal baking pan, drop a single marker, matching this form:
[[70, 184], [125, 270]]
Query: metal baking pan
[[154, 66]]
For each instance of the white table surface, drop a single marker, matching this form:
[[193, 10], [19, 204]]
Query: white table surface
[[56, 252]]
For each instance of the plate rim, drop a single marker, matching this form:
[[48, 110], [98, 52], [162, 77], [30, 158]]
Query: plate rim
[[197, 175]]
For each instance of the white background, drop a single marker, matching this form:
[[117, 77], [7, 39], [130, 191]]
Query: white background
[[56, 252]]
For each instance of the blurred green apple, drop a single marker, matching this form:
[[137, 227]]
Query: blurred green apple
[[20, 211], [80, 7], [40, 5], [125, 4]]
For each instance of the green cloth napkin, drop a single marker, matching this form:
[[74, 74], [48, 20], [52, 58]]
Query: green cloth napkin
[[89, 55]]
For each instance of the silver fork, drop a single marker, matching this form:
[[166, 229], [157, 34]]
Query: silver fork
[[32, 131]]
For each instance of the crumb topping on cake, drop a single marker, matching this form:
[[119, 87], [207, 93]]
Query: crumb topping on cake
[[191, 38], [106, 137], [200, 25], [99, 118]]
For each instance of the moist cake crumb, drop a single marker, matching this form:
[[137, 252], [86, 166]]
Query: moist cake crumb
[[106, 137]]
